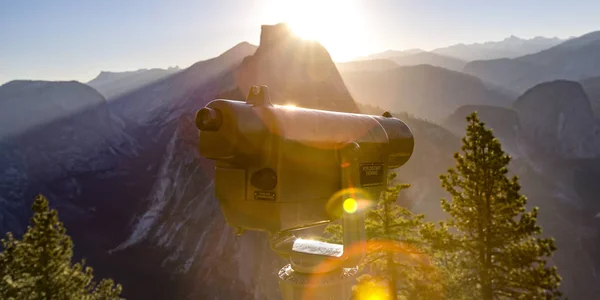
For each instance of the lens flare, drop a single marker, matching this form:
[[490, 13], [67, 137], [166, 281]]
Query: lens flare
[[337, 203], [376, 289], [371, 290], [350, 205]]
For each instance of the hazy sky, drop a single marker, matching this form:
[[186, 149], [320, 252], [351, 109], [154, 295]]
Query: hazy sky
[[75, 40]]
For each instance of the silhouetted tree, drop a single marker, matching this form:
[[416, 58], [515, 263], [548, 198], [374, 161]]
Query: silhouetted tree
[[39, 266], [494, 242]]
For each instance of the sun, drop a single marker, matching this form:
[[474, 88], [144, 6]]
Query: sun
[[339, 25]]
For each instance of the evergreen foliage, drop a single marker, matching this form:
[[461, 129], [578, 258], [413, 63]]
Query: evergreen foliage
[[490, 247], [39, 266], [494, 242], [396, 252]]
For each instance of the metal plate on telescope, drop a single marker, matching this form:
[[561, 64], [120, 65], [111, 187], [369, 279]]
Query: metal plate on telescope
[[371, 174], [317, 248], [264, 195]]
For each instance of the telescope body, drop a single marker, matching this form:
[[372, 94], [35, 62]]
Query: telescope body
[[281, 168]]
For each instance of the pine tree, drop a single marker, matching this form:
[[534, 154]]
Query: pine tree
[[12, 285], [500, 253], [395, 250], [39, 266]]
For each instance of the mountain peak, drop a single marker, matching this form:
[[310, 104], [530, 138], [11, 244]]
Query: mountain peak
[[240, 48], [273, 34], [510, 47], [513, 38], [295, 70], [113, 84]]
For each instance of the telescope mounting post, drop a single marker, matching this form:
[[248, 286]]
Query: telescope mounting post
[[325, 271]]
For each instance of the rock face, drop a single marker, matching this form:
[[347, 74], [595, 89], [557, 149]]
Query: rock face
[[57, 137], [558, 119], [426, 91], [297, 72], [114, 84], [592, 89], [574, 59]]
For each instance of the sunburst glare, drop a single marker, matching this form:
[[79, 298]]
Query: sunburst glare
[[336, 24]]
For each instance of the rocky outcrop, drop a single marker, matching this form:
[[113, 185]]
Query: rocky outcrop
[[429, 92], [296, 71], [592, 89], [556, 118]]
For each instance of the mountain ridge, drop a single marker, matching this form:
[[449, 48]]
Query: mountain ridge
[[114, 84], [510, 47], [408, 89], [575, 59]]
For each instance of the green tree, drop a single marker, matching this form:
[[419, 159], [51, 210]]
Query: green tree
[[395, 250], [39, 266], [499, 251]]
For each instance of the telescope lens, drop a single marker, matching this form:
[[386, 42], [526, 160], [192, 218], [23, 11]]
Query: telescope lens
[[208, 119]]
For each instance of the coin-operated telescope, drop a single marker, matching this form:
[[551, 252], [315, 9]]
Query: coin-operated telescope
[[281, 169]]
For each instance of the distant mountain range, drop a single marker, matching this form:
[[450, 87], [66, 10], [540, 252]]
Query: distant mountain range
[[390, 53], [426, 91], [416, 57], [366, 65], [510, 47], [576, 59], [114, 84]]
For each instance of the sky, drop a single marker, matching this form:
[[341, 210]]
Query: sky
[[75, 40]]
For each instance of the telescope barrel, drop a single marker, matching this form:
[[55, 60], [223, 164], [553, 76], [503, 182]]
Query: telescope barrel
[[279, 167]]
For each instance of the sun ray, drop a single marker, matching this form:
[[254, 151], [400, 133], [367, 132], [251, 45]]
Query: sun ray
[[336, 24]]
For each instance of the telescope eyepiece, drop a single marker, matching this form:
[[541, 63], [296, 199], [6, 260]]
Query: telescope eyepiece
[[209, 119]]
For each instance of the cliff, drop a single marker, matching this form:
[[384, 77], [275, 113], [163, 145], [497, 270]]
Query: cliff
[[558, 119]]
